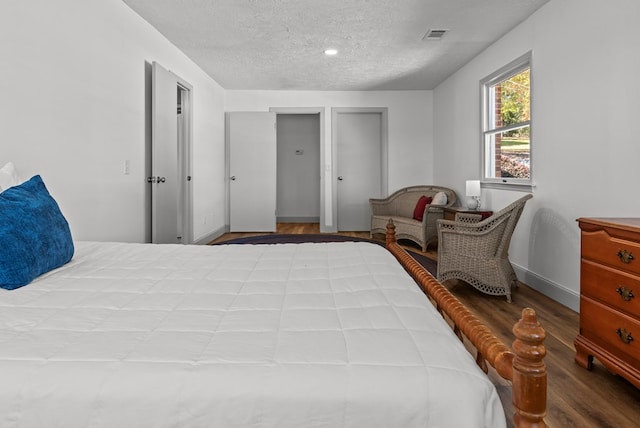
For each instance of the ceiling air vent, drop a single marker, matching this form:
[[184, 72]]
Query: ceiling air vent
[[434, 34]]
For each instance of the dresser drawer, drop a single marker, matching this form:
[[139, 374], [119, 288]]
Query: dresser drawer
[[613, 287], [607, 328], [620, 253]]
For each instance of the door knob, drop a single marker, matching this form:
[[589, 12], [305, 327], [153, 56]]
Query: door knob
[[340, 178], [161, 179], [233, 178]]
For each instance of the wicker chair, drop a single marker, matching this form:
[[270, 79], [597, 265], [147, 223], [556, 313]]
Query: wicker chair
[[399, 207], [477, 251]]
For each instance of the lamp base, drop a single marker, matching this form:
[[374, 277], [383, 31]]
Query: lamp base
[[473, 203]]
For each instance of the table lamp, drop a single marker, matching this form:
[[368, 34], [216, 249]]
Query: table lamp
[[473, 194]]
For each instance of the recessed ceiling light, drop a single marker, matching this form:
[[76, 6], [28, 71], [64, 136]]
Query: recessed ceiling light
[[331, 52]]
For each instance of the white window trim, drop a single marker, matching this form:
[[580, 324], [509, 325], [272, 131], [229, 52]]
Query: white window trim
[[514, 67]]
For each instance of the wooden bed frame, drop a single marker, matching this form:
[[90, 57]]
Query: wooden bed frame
[[523, 367]]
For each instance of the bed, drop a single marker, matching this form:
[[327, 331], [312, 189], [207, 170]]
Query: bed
[[284, 335]]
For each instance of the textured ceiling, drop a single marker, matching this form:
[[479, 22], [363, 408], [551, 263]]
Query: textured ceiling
[[279, 44]]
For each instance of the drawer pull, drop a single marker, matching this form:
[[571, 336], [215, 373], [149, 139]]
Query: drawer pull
[[624, 335], [625, 293], [625, 256]]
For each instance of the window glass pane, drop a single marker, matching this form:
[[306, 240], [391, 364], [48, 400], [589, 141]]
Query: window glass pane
[[510, 101], [508, 154]]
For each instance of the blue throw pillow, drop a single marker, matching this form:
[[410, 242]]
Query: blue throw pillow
[[34, 235]]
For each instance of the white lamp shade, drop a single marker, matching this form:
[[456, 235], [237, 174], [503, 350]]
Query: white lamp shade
[[473, 187]]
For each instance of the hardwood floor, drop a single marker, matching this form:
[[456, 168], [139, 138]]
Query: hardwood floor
[[576, 397]]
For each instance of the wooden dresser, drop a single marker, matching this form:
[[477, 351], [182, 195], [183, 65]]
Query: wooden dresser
[[610, 296]]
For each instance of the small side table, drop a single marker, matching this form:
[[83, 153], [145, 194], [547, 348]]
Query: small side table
[[450, 212]]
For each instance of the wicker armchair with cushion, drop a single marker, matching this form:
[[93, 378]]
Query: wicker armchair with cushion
[[414, 210], [477, 251]]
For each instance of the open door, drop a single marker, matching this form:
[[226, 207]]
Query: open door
[[252, 166], [170, 178]]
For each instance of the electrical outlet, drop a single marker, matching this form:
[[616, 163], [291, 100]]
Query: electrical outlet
[[126, 167]]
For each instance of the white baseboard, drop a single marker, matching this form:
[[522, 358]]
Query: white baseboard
[[298, 219], [557, 292]]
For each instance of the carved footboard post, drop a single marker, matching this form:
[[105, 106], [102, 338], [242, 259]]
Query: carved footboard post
[[529, 392], [390, 236]]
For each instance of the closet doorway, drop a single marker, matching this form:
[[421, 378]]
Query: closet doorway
[[298, 168]]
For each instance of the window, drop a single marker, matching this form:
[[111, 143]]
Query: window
[[506, 124]]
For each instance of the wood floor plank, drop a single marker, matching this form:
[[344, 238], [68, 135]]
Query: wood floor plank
[[576, 397]]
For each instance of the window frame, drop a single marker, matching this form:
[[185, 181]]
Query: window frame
[[486, 112]]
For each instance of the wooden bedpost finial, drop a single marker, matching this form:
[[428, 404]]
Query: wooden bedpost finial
[[391, 233], [529, 372]]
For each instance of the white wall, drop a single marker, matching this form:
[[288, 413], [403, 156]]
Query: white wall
[[74, 84], [410, 128], [585, 146]]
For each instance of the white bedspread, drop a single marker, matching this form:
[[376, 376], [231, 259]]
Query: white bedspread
[[291, 335]]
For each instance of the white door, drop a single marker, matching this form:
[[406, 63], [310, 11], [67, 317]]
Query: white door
[[359, 167], [252, 171], [169, 195]]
